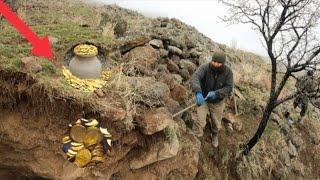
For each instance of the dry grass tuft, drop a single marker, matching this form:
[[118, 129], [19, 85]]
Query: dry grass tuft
[[129, 96]]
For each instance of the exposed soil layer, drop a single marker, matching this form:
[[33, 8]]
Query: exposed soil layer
[[33, 121]]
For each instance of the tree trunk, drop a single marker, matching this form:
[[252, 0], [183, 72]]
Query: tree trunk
[[263, 123]]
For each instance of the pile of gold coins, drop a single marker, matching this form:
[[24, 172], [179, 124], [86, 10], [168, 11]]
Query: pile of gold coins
[[86, 85], [87, 143], [86, 50]]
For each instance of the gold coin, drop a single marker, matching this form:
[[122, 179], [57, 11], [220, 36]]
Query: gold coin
[[86, 50], [92, 137], [78, 133], [67, 141], [94, 128], [97, 153], [66, 138], [98, 147], [77, 148], [83, 158]]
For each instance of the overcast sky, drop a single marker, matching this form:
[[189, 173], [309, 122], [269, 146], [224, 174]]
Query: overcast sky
[[202, 14]]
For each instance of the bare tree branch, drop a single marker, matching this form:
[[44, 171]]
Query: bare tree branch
[[288, 31]]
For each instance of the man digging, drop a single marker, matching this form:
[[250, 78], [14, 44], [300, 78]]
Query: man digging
[[212, 83], [305, 86]]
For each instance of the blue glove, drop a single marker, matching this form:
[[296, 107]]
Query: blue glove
[[199, 98], [212, 95]]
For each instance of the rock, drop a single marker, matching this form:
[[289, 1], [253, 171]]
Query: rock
[[137, 69], [193, 53], [130, 44], [154, 121], [275, 118], [185, 64], [285, 129], [177, 78], [166, 42], [172, 105], [120, 27], [114, 55], [184, 165], [278, 172], [172, 67], [164, 22], [112, 114], [292, 150], [237, 126], [170, 148], [70, 171], [297, 141], [130, 139], [163, 53], [151, 91], [162, 68], [230, 118], [53, 40], [204, 59], [175, 58], [229, 127], [163, 61], [156, 43], [284, 157], [185, 54], [175, 50], [181, 125], [168, 79], [178, 109], [157, 152], [314, 138], [31, 64], [184, 74], [99, 93], [178, 92], [145, 56], [298, 168], [177, 42], [190, 41]]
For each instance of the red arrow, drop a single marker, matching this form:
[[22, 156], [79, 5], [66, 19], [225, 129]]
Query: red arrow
[[41, 46]]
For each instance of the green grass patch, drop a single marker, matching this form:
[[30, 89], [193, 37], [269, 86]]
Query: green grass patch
[[184, 142], [7, 52], [169, 133], [210, 152], [48, 67], [14, 64]]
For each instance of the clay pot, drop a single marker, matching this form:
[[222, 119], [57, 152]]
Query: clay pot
[[85, 67]]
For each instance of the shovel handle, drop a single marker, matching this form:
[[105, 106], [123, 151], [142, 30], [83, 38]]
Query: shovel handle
[[187, 108]]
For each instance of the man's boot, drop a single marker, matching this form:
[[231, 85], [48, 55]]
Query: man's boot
[[214, 140]]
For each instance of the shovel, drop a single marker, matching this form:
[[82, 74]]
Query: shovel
[[186, 109]]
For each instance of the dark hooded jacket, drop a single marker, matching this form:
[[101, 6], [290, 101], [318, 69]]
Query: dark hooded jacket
[[207, 78]]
